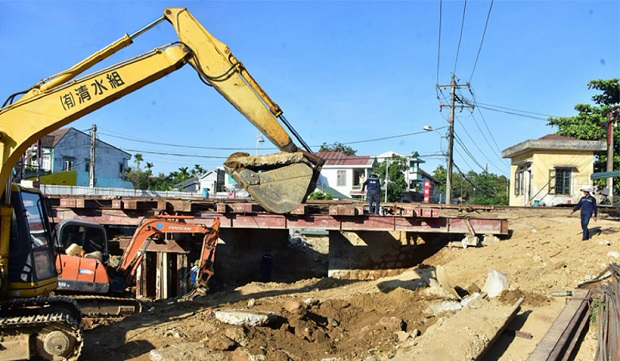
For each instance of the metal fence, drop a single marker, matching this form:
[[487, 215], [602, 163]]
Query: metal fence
[[121, 192]]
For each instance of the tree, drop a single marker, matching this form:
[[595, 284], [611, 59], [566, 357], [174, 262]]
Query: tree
[[138, 159], [197, 170], [318, 195], [590, 123], [475, 188], [396, 177], [337, 147]]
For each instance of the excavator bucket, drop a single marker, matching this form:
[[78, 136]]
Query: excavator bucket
[[278, 182]]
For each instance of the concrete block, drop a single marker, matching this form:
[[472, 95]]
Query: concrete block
[[489, 239], [496, 283], [242, 317], [470, 241]]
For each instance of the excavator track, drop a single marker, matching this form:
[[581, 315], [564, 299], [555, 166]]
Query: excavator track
[[46, 328], [97, 306]]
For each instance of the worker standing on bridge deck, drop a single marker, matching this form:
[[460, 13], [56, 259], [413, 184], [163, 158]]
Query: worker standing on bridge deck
[[587, 203], [374, 193]]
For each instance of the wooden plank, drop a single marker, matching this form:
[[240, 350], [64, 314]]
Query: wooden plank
[[182, 274], [564, 328]]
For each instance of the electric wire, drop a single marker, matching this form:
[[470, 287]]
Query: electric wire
[[512, 113], [458, 49], [502, 161], [481, 41], [471, 156], [242, 148], [439, 39], [513, 109], [480, 150]]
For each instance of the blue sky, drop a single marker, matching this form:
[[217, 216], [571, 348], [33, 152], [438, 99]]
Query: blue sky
[[341, 71]]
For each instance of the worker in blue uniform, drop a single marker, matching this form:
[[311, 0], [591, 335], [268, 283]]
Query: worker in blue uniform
[[374, 193], [587, 204]]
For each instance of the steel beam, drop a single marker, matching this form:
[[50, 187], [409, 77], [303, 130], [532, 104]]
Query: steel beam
[[290, 221]]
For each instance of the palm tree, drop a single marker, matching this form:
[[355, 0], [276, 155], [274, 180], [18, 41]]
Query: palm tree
[[138, 159]]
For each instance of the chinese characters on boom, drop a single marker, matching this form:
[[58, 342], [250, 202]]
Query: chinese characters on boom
[[83, 93]]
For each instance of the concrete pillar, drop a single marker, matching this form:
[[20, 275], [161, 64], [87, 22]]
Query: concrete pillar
[[373, 254]]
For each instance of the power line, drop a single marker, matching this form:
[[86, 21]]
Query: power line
[[458, 49], [176, 154], [480, 150], [439, 39], [488, 130], [481, 41], [513, 109], [485, 138], [512, 113], [240, 148], [466, 150]]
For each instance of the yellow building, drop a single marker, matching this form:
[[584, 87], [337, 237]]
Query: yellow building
[[551, 169]]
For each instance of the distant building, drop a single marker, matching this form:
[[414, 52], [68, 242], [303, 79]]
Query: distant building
[[65, 160], [212, 180], [415, 177], [345, 174], [551, 169]]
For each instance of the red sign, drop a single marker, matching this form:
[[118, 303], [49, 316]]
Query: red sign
[[427, 191]]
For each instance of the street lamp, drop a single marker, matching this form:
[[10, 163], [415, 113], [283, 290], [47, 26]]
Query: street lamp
[[429, 128], [259, 139]]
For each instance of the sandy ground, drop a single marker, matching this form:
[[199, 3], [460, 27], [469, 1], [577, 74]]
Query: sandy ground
[[316, 319]]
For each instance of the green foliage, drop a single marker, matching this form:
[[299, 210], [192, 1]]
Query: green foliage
[[475, 188], [590, 122], [337, 147], [396, 177], [318, 195], [138, 159]]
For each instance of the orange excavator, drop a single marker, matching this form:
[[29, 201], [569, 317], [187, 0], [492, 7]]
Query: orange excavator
[[91, 277]]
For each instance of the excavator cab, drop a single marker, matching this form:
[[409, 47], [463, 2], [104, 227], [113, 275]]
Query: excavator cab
[[31, 270]]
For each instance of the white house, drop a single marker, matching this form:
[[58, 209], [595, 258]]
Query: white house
[[345, 173], [212, 180], [68, 149]]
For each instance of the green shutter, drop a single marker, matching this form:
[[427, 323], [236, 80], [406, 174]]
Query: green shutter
[[551, 181]]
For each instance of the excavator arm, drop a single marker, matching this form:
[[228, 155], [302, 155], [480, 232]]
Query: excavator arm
[[278, 182]]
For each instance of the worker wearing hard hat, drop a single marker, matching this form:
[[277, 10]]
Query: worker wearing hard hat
[[587, 203]]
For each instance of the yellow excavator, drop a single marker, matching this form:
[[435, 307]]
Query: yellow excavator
[[33, 325]]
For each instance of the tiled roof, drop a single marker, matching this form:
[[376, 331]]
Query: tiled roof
[[556, 137], [50, 140], [340, 158]]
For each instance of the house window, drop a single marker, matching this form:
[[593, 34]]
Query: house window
[[341, 180], [562, 180], [47, 162], [67, 163], [519, 179], [86, 164], [121, 169]]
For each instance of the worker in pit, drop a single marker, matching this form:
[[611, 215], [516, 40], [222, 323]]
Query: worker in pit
[[374, 193], [587, 204]]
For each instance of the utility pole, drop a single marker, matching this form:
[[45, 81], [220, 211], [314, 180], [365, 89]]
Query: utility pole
[[453, 99], [610, 151], [91, 165]]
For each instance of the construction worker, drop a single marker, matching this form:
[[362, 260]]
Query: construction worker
[[374, 193], [587, 203]]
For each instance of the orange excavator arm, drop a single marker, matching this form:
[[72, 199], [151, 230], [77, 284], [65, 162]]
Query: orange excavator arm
[[156, 228]]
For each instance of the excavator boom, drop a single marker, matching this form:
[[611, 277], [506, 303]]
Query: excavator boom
[[278, 186]]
